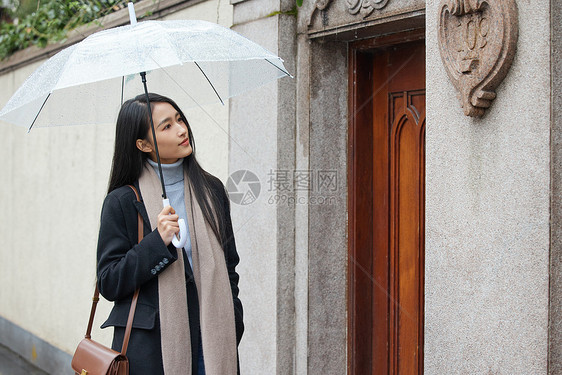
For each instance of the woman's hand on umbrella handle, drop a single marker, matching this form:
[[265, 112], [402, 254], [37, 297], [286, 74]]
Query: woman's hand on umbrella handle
[[167, 224], [179, 243]]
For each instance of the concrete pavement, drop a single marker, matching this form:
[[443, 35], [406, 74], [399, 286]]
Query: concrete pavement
[[12, 364]]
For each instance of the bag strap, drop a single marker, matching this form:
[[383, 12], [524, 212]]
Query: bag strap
[[136, 295], [96, 298]]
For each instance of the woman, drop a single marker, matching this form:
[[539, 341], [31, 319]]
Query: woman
[[175, 328]]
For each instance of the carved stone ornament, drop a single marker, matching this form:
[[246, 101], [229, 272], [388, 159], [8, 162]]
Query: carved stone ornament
[[364, 7], [477, 40]]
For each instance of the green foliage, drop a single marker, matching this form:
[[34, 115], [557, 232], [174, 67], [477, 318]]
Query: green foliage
[[48, 21], [299, 3], [292, 12]]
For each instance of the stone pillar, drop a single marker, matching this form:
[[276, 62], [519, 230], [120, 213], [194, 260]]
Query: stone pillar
[[488, 213], [327, 277], [262, 129], [555, 318]]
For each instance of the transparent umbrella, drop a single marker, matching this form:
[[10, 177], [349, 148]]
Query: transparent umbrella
[[101, 69]]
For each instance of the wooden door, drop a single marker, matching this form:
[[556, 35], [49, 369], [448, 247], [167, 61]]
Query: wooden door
[[386, 207]]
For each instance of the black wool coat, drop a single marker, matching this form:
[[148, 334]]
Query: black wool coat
[[123, 266]]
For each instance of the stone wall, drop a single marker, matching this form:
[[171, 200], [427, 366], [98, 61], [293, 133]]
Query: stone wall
[[55, 180], [488, 212]]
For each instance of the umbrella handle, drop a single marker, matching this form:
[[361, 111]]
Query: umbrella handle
[[179, 243]]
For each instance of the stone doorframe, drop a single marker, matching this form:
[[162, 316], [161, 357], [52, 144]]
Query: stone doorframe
[[324, 31]]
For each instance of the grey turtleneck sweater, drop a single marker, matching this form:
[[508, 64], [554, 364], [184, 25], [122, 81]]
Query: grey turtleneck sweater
[[173, 180]]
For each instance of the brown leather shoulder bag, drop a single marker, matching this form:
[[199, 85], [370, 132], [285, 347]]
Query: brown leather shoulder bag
[[93, 358]]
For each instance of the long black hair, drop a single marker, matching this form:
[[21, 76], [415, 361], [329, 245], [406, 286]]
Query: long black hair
[[128, 161]]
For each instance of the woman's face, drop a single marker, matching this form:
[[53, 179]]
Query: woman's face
[[171, 135]]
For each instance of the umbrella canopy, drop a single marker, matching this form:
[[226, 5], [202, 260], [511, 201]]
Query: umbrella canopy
[[98, 71], [205, 60]]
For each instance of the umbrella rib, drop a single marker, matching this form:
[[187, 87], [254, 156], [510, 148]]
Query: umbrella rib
[[208, 80], [208, 114], [37, 115], [284, 71]]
